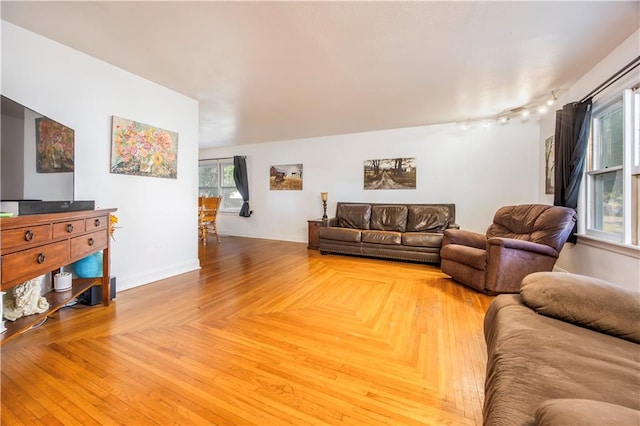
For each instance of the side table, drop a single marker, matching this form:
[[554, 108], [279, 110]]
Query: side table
[[314, 226]]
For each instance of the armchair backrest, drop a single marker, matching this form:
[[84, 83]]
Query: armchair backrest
[[539, 223]]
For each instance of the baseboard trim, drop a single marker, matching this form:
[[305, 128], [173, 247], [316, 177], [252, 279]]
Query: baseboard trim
[[132, 281]]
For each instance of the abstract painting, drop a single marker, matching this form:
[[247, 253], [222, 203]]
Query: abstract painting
[[143, 150], [54, 146], [286, 177], [390, 173]]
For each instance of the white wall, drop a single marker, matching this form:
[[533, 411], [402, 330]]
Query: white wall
[[158, 236], [620, 267], [478, 169]]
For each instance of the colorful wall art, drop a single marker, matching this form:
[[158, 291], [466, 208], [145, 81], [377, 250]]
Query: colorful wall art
[[54, 146], [143, 150]]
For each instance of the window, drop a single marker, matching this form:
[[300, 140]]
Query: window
[[613, 169], [215, 177]]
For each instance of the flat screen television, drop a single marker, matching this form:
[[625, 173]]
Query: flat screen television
[[37, 162]]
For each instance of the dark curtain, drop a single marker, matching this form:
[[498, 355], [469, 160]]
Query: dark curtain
[[242, 183], [573, 122]]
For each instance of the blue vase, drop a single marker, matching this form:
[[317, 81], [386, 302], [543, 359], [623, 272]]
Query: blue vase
[[89, 267]]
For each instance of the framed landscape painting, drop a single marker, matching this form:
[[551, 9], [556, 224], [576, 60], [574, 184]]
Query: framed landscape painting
[[549, 158], [286, 177], [390, 173], [143, 150]]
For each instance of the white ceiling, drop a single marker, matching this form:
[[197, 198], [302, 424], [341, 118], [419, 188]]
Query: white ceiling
[[267, 71]]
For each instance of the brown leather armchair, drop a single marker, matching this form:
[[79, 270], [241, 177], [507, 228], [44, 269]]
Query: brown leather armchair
[[522, 239]]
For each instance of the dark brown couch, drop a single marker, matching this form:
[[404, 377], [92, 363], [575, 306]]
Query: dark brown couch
[[394, 231], [565, 351]]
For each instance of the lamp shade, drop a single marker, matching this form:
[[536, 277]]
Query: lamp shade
[[324, 196]]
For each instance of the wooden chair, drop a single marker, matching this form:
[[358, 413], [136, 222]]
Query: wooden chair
[[207, 212]]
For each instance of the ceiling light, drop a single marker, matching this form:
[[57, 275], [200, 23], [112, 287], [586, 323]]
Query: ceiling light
[[540, 106]]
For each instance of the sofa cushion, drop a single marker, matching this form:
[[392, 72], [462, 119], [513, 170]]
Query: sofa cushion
[[340, 234], [585, 301], [382, 237], [427, 218], [422, 239], [389, 218], [355, 216], [584, 412], [532, 358]]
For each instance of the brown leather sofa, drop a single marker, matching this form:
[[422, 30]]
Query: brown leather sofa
[[523, 239], [565, 351], [394, 231]]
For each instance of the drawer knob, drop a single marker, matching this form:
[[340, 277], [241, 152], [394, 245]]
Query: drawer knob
[[96, 222], [70, 228], [41, 258], [91, 241], [28, 236]]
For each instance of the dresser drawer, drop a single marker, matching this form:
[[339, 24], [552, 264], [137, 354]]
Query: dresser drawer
[[35, 261], [95, 223], [27, 235], [81, 246], [64, 229]]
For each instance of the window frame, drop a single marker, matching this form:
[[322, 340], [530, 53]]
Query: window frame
[[628, 99], [596, 170], [220, 184]]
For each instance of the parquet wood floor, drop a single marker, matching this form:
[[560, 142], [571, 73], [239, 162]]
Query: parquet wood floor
[[266, 333]]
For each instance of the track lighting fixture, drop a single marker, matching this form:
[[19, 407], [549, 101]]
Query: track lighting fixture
[[524, 112]]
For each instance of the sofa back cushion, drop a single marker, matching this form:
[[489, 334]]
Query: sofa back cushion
[[389, 218], [425, 218], [539, 223], [585, 301], [355, 216]]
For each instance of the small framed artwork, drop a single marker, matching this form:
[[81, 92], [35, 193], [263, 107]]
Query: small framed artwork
[[390, 173], [285, 177], [143, 150], [54, 146], [549, 165]]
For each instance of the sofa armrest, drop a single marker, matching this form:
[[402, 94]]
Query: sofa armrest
[[512, 243], [465, 238], [453, 226], [584, 412], [585, 301]]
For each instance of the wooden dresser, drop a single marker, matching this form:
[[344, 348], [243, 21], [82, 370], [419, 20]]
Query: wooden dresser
[[34, 245]]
